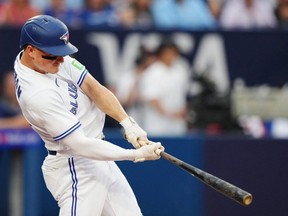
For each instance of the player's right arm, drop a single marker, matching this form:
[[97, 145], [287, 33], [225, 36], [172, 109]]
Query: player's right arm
[[64, 133], [78, 144]]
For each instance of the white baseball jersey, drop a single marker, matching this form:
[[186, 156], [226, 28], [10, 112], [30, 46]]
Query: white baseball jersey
[[55, 106], [58, 93]]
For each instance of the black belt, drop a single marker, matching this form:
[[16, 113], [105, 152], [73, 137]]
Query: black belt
[[52, 152]]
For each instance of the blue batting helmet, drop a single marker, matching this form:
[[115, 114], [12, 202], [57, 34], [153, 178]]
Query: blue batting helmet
[[47, 34]]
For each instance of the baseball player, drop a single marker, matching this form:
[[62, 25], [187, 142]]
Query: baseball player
[[66, 106]]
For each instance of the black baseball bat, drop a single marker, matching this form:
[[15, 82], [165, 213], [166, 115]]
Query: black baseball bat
[[231, 191]]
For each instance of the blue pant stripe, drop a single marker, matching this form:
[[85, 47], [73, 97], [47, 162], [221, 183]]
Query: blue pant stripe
[[74, 186]]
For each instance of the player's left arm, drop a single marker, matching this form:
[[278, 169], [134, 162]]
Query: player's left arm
[[109, 104], [103, 98]]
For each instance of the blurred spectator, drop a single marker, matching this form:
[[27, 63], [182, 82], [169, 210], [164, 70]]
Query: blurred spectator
[[120, 3], [16, 12], [215, 7], [182, 14], [281, 12], [128, 85], [1, 14], [163, 89], [99, 13], [248, 14], [60, 10], [71, 4], [137, 14], [10, 113]]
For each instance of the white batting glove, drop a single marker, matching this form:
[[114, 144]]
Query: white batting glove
[[134, 133], [148, 152]]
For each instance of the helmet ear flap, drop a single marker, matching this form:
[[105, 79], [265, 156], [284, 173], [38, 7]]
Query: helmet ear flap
[[48, 34]]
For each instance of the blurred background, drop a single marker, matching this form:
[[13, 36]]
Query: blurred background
[[207, 78]]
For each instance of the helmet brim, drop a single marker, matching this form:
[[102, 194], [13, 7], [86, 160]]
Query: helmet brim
[[60, 50]]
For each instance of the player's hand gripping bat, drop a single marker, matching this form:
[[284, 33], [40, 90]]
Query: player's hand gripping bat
[[233, 192]]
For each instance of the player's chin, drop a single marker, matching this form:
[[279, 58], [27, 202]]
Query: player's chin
[[55, 68], [53, 71]]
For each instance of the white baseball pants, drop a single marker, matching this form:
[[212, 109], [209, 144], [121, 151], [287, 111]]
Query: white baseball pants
[[84, 187]]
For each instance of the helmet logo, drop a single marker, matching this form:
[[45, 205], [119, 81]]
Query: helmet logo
[[65, 38]]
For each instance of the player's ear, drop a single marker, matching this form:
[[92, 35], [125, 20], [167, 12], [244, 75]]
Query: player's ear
[[30, 50]]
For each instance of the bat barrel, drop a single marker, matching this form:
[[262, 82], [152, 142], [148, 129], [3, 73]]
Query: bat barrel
[[231, 191]]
